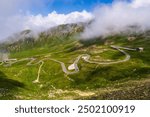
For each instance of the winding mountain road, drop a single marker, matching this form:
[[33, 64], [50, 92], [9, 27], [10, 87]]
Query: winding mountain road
[[74, 67], [87, 57]]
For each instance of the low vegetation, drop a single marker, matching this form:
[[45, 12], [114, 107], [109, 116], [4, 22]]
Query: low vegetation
[[128, 80]]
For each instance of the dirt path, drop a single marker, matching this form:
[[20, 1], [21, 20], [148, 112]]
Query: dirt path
[[39, 71]]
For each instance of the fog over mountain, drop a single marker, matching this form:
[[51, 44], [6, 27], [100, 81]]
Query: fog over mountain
[[118, 17], [106, 18]]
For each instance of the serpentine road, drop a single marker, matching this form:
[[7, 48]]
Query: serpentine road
[[73, 66]]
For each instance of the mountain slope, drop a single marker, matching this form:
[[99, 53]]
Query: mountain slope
[[57, 65]]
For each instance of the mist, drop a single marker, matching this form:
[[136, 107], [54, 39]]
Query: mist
[[117, 17]]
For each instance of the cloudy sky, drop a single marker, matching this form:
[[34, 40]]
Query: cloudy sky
[[37, 15], [117, 17]]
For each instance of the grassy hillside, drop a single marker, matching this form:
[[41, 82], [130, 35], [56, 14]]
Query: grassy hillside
[[127, 80]]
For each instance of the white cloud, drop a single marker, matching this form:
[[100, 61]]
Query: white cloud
[[13, 17], [140, 3], [53, 19], [117, 17], [108, 18]]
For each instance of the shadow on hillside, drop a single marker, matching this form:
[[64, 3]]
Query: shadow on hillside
[[87, 43], [106, 75], [115, 73], [90, 42], [8, 86]]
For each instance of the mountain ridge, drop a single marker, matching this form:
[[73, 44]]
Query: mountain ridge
[[42, 66]]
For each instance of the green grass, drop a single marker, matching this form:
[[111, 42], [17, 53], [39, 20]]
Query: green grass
[[17, 80]]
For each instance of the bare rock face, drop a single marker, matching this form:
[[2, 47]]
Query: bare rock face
[[131, 38], [3, 57]]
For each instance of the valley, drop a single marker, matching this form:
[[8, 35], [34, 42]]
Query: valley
[[61, 66]]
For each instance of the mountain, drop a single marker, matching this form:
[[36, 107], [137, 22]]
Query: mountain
[[57, 64]]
